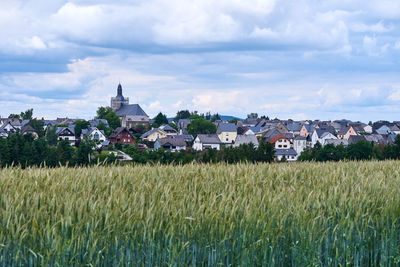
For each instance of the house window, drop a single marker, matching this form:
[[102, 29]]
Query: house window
[[227, 139], [279, 145], [96, 136]]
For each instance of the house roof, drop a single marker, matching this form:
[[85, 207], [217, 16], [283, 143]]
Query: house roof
[[226, 127], [337, 142], [355, 138], [344, 130], [96, 122], [118, 131], [150, 132], [89, 130], [167, 127], [70, 128], [246, 139], [209, 139], [285, 152], [299, 137], [276, 138], [27, 129], [172, 141], [293, 126], [183, 136], [131, 110], [309, 127], [322, 132]]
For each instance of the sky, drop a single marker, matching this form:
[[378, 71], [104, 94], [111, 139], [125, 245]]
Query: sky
[[303, 59]]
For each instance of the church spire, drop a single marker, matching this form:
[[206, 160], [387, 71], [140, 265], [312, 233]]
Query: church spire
[[119, 90]]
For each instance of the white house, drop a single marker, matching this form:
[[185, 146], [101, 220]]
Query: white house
[[66, 133], [299, 144], [207, 141], [280, 141], [288, 154], [170, 144], [227, 132], [320, 136], [94, 134]]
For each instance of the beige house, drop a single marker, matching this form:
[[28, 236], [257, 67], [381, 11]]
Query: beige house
[[227, 132], [346, 132], [153, 135]]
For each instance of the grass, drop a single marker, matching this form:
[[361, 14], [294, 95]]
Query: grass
[[299, 214]]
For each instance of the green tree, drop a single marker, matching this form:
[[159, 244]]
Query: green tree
[[252, 116], [109, 114], [51, 136], [79, 126], [84, 151], [215, 117], [159, 120], [102, 127], [182, 114], [14, 116], [27, 115], [362, 150], [201, 126], [38, 126], [64, 152]]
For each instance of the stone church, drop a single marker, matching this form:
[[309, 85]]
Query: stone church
[[131, 115]]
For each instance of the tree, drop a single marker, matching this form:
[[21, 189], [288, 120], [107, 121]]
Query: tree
[[362, 150], [79, 126], [102, 127], [14, 116], [64, 152], [159, 120], [182, 114], [84, 151], [38, 126], [215, 117], [252, 116], [201, 126], [27, 115], [51, 136], [109, 114]]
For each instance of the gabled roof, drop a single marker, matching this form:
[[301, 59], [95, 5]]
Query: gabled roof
[[276, 138], [309, 127], [167, 127], [118, 131], [293, 126], [70, 128], [151, 131], [209, 139], [27, 129], [96, 122], [226, 127], [131, 110], [285, 152], [172, 141], [188, 137], [89, 130], [246, 139], [322, 132], [344, 130], [337, 142], [299, 137]]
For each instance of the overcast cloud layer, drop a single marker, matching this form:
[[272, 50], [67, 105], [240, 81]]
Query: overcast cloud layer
[[292, 59]]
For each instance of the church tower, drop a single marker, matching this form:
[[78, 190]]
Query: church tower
[[118, 101]]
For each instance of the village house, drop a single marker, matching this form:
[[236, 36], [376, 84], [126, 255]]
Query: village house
[[246, 139], [319, 136], [170, 144], [346, 132], [122, 135], [207, 141], [227, 132], [27, 129], [168, 130], [281, 142], [153, 135], [94, 134], [299, 144], [285, 154], [307, 129], [66, 133]]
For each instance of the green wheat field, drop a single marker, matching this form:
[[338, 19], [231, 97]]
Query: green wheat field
[[300, 214]]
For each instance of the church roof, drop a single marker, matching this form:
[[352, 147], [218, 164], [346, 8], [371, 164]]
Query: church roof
[[131, 110]]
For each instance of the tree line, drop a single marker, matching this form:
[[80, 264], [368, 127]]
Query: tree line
[[362, 150]]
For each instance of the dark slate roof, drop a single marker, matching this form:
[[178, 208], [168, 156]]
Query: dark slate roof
[[167, 128], [209, 139], [149, 132], [321, 132], [293, 126], [355, 138], [309, 127], [90, 130], [226, 127], [285, 152], [27, 128], [171, 141], [183, 136], [299, 137], [131, 110], [246, 139], [71, 128], [344, 130], [96, 122], [118, 131], [24, 122]]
